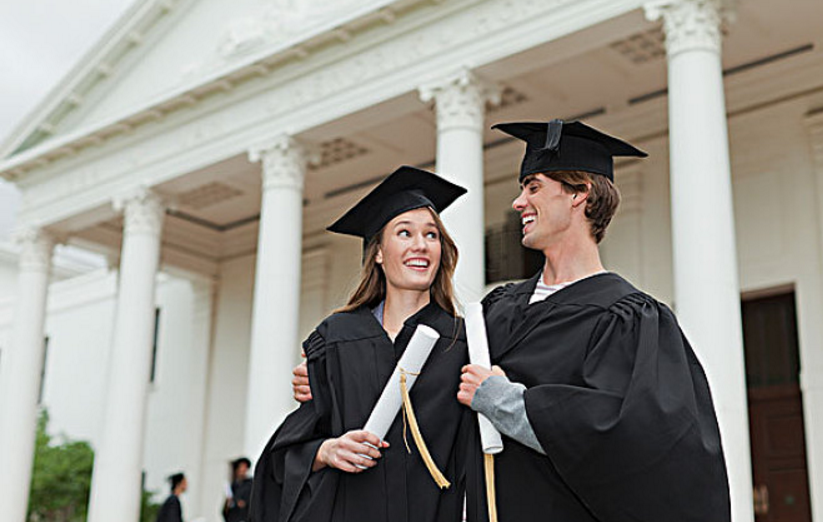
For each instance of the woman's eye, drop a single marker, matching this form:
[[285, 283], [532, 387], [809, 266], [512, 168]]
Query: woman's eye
[[431, 235], [404, 233]]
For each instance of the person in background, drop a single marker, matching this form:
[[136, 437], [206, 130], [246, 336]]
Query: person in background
[[171, 511], [238, 492]]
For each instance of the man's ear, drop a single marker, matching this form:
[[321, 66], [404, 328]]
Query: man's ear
[[580, 198]]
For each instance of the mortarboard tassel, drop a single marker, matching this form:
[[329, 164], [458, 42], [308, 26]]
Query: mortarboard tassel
[[553, 132], [440, 479]]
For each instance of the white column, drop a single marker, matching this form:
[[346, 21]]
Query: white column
[[201, 365], [706, 284], [118, 460], [460, 103], [23, 364], [275, 314], [810, 308]]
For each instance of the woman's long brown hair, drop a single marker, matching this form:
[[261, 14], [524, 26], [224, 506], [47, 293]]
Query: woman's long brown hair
[[372, 287]]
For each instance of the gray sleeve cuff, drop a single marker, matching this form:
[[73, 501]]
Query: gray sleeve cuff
[[502, 402]]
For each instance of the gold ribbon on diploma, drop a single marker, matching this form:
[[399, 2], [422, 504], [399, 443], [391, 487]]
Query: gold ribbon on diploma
[[491, 498], [408, 413]]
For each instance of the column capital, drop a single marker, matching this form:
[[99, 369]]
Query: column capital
[[143, 211], [36, 247], [460, 99], [284, 160], [691, 24]]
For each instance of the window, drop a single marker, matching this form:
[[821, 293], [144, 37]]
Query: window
[[154, 343], [43, 370]]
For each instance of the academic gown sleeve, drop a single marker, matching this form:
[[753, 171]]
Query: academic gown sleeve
[[638, 441], [283, 480]]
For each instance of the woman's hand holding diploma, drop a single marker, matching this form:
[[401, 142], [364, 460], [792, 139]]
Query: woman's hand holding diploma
[[351, 452]]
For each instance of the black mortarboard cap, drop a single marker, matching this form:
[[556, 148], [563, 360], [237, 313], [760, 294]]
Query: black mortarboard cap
[[558, 145], [407, 188]]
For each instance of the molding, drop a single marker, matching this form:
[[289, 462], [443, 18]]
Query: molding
[[143, 212], [143, 17], [460, 100], [36, 248], [136, 19], [691, 25], [385, 63], [284, 160]]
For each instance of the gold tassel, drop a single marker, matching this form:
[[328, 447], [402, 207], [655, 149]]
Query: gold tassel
[[408, 412], [491, 497]]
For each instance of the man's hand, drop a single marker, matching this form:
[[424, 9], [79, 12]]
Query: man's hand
[[300, 383], [351, 452], [473, 376]]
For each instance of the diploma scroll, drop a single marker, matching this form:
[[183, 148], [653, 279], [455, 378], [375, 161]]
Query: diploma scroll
[[479, 354], [490, 438], [411, 362], [396, 396]]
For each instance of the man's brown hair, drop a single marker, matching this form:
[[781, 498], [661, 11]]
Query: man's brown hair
[[602, 201]]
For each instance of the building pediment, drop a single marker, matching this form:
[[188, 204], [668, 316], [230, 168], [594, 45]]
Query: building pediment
[[160, 49]]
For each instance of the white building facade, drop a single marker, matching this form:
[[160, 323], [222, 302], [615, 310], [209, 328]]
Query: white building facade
[[202, 147]]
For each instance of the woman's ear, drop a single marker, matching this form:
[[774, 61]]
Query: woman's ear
[[378, 257]]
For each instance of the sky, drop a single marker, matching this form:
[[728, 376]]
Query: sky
[[40, 41]]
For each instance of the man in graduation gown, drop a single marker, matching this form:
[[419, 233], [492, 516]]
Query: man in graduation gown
[[605, 410]]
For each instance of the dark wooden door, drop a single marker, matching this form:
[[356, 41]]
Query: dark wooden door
[[779, 454], [775, 410]]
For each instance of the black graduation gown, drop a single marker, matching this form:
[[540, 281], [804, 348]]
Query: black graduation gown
[[618, 401], [170, 511], [241, 491], [350, 358]]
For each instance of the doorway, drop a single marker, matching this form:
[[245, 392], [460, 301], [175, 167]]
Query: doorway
[[781, 489]]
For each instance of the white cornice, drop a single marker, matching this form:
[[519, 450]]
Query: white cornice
[[124, 31], [419, 47], [137, 19]]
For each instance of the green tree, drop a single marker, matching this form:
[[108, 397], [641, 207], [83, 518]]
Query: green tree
[[61, 479], [148, 509]]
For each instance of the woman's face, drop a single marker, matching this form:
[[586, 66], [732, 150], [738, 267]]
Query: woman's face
[[409, 252]]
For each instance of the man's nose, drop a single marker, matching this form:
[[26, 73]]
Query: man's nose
[[519, 202]]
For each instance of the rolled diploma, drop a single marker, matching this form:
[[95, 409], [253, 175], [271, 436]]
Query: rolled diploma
[[412, 361], [479, 355]]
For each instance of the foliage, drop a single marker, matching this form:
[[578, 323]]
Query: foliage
[[148, 509], [61, 479]]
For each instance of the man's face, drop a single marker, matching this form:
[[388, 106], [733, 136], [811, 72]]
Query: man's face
[[545, 211]]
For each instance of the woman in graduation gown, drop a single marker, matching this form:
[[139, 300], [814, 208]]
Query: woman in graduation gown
[[320, 465]]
